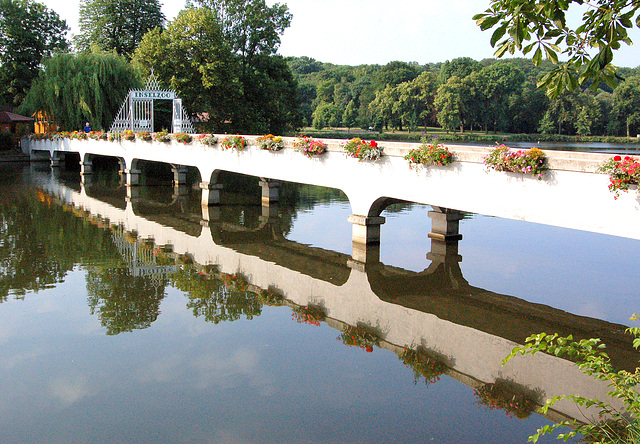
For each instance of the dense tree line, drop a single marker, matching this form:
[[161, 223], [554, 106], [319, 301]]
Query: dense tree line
[[459, 95]]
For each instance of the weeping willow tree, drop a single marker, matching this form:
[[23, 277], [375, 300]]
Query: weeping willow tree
[[78, 88]]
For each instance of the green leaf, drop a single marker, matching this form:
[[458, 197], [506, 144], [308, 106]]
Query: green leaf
[[537, 57], [497, 35], [551, 54], [487, 22], [502, 50]]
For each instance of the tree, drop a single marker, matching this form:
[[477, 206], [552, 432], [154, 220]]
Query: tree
[[583, 122], [497, 83], [415, 100], [382, 107], [450, 104], [543, 23], [627, 102], [325, 115], [460, 67], [75, 89], [526, 109], [394, 73], [191, 57], [29, 33], [350, 115], [117, 25], [194, 57], [250, 27]]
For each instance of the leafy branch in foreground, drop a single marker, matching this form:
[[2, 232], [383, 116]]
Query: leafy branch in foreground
[[541, 28], [612, 425]]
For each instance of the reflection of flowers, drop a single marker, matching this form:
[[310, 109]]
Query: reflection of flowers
[[513, 399], [424, 364], [361, 336], [234, 282], [271, 297], [308, 315]]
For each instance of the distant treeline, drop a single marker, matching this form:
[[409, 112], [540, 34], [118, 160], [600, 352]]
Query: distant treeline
[[460, 95]]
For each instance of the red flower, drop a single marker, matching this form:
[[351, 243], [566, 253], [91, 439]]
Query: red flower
[[373, 144], [617, 158]]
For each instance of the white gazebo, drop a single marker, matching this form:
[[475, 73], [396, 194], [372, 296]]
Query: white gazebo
[[136, 113]]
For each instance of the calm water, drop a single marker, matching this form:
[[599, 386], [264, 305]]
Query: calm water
[[113, 336]]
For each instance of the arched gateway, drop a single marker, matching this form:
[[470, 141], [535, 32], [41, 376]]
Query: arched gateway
[[136, 113]]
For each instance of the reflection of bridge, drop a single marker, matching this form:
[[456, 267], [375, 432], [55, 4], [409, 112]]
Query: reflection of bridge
[[571, 195], [437, 308]]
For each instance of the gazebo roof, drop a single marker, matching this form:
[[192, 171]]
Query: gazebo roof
[[7, 117]]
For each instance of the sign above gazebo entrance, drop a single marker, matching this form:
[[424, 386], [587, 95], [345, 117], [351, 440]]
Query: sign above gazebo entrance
[[136, 113]]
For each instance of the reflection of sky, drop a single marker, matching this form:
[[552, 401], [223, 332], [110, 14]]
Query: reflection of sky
[[584, 273], [184, 380], [271, 379]]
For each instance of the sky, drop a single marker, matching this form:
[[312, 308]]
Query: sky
[[354, 32]]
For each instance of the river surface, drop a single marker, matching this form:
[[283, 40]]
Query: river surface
[[110, 334]]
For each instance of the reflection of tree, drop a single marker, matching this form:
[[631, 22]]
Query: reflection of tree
[[123, 302], [218, 300], [41, 241]]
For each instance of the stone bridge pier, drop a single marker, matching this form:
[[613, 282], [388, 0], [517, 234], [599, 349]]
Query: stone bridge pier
[[444, 234]]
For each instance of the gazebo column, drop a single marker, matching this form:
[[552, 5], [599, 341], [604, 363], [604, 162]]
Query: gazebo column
[[365, 237]]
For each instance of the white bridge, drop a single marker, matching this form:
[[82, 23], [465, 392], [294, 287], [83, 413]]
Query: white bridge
[[571, 194]]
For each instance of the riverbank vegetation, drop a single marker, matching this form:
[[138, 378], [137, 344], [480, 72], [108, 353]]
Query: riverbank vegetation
[[462, 99]]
